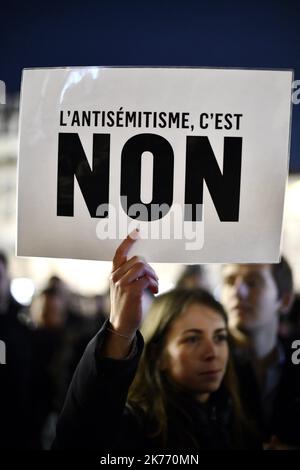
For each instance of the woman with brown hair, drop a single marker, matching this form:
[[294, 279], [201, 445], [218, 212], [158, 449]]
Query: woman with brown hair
[[175, 392]]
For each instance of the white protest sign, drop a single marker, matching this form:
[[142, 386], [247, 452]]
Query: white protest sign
[[196, 158]]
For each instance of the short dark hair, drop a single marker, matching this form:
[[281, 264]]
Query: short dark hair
[[191, 270], [283, 277]]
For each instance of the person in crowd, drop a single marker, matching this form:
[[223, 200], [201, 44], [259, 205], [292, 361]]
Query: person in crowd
[[60, 337], [290, 326], [254, 296], [191, 277], [17, 374], [54, 347], [171, 388]]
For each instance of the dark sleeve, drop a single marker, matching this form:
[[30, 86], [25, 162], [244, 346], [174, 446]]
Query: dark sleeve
[[286, 416], [95, 402]]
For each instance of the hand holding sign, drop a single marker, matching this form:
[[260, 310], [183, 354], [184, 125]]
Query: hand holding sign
[[128, 280]]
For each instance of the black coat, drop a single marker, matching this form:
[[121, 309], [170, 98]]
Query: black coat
[[16, 380], [95, 414], [285, 417]]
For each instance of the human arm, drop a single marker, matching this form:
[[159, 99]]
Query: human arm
[[97, 395]]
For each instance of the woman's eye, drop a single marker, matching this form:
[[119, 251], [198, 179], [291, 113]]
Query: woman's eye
[[192, 339], [221, 338]]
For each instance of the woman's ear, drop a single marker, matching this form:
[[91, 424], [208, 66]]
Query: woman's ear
[[286, 302]]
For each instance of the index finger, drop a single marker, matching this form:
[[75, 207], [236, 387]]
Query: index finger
[[123, 249]]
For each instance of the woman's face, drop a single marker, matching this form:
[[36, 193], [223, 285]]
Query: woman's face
[[196, 351]]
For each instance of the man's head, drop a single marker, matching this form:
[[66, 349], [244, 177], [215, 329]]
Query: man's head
[[254, 294]]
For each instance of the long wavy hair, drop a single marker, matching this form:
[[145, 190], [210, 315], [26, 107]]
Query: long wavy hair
[[151, 392]]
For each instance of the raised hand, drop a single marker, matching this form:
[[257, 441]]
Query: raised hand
[[128, 280]]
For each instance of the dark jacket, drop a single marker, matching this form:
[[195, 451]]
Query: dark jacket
[[16, 380], [285, 413], [95, 414]]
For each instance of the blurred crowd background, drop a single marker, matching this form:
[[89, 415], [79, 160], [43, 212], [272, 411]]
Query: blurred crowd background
[[56, 306]]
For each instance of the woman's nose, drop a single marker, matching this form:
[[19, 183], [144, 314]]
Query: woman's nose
[[209, 349]]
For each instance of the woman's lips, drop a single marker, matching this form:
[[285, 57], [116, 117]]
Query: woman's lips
[[212, 373]]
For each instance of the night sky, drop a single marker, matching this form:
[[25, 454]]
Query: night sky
[[251, 34]]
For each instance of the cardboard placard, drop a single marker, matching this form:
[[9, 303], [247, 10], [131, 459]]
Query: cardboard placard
[[197, 158]]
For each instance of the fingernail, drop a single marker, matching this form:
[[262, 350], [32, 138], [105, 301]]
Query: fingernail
[[135, 234]]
